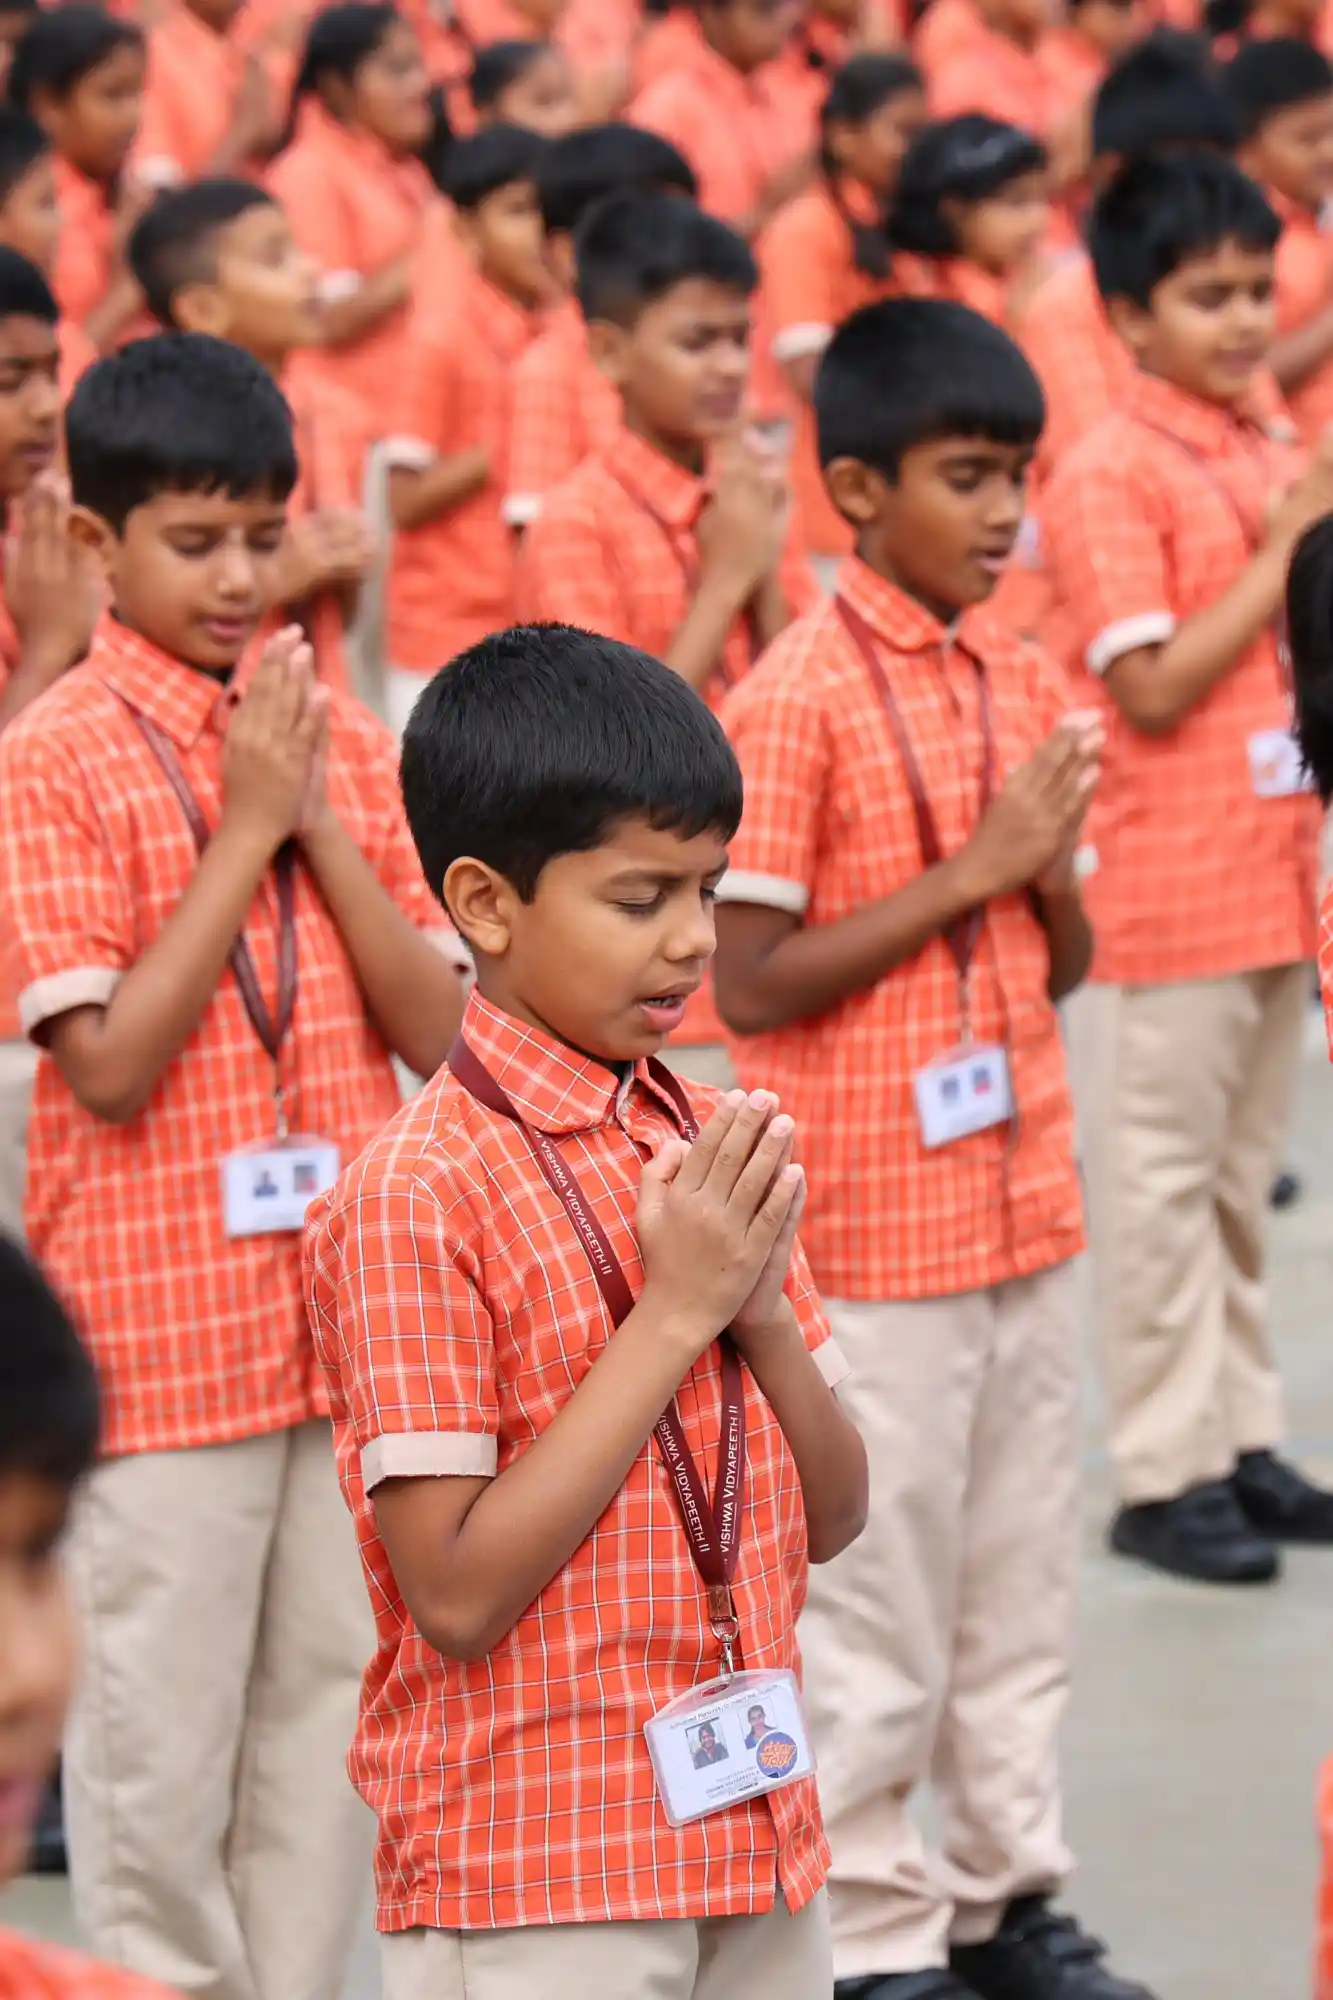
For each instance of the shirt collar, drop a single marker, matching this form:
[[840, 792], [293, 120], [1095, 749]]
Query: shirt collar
[[181, 700], [667, 489], [1201, 427], [552, 1087], [899, 621], [504, 325]]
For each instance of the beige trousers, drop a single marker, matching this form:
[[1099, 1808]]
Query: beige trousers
[[937, 1646], [18, 1067], [775, 1956], [702, 1062], [1185, 1093], [216, 1843]]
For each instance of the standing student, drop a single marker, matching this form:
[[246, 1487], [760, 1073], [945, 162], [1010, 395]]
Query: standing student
[[216, 926], [219, 257], [355, 192], [899, 920], [1283, 95], [48, 1441], [676, 535], [80, 73], [971, 216], [746, 129], [451, 574], [1167, 534], [210, 106], [47, 609], [524, 83], [827, 253], [564, 406], [500, 1377]]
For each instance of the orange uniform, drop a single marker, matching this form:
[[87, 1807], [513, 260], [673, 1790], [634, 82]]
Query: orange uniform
[[1075, 67], [830, 826], [991, 73], [452, 579], [451, 1330], [33, 1971], [946, 30], [564, 409], [198, 1338], [810, 285], [594, 35], [329, 447], [736, 131], [1305, 289], [77, 355], [1146, 524], [86, 250], [194, 76], [354, 208], [1323, 1986]]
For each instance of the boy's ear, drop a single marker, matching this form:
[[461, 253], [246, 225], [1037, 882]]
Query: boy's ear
[[482, 904], [608, 345], [856, 490], [202, 308], [1132, 322], [90, 532]]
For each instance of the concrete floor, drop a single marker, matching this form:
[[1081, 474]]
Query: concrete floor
[[1199, 1718]]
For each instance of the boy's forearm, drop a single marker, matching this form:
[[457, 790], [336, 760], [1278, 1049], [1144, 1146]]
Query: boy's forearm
[[1156, 687], [418, 497], [830, 1457], [529, 1522], [772, 613], [114, 1058], [697, 644], [1069, 938], [412, 992]]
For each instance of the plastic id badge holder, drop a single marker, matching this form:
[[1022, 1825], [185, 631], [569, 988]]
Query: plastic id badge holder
[[1277, 769], [727, 1740], [267, 1192], [964, 1092]]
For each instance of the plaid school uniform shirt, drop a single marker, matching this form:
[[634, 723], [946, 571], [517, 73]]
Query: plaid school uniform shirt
[[328, 428], [564, 410], [194, 76], [198, 1339], [455, 1312], [829, 826], [1145, 525], [33, 1971], [1304, 282]]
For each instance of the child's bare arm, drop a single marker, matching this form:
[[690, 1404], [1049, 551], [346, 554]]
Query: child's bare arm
[[420, 495], [470, 1555]]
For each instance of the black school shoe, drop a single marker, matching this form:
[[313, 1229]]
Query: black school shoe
[[936, 1983], [1202, 1534], [1280, 1502], [1039, 1954]]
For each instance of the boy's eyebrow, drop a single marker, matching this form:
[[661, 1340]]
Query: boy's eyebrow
[[633, 877]]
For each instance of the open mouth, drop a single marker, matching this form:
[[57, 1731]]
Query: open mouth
[[665, 1011]]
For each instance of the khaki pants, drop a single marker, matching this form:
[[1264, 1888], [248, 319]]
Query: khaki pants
[[1185, 1094], [937, 1646], [18, 1067], [216, 1843], [702, 1062], [775, 1956]]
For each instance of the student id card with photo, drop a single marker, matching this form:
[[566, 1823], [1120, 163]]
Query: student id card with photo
[[267, 1192], [730, 1739], [966, 1092]]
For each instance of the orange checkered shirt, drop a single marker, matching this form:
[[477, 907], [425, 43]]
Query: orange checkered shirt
[[329, 448], [455, 1312], [33, 1971], [829, 826], [198, 1339], [1146, 524], [564, 409], [1323, 1986], [1304, 282], [451, 580], [614, 551], [87, 242]]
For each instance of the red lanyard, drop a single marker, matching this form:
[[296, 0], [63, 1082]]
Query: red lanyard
[[688, 566], [964, 933], [271, 1028], [712, 1529]]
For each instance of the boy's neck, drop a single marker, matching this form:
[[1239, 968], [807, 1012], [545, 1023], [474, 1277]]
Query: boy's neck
[[687, 453], [1229, 406], [521, 300], [874, 560]]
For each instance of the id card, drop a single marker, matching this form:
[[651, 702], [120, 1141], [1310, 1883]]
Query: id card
[[1276, 770], [728, 1740], [267, 1193], [965, 1093]]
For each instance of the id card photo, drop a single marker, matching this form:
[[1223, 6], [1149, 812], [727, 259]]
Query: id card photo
[[726, 1741]]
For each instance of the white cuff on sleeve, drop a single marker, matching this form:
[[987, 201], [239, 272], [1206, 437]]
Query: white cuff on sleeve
[[1147, 628], [740, 885]]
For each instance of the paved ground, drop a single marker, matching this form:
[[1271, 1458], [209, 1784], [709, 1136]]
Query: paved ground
[[1199, 1718]]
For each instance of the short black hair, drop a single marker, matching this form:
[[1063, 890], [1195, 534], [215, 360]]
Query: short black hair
[[636, 248], [908, 371], [176, 413], [1157, 214], [540, 740], [1165, 91], [49, 1415], [339, 39], [956, 159], [24, 291], [585, 168], [857, 90], [476, 168], [1266, 77], [22, 144], [62, 45], [1310, 636], [499, 64], [175, 241]]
